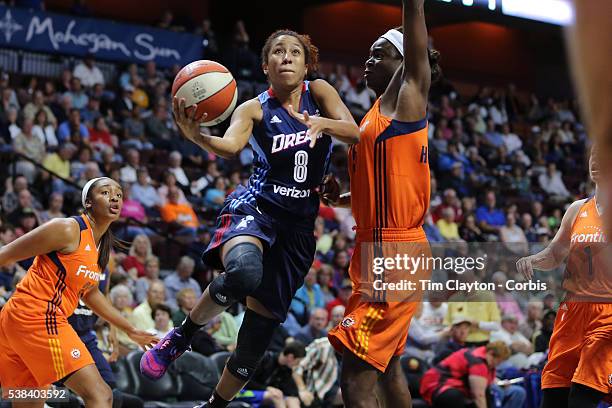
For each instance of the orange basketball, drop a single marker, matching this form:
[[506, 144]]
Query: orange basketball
[[208, 86]]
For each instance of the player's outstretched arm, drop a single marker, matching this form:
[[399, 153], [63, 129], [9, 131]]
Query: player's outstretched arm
[[100, 305], [236, 136], [555, 253], [336, 120], [60, 234], [416, 71]]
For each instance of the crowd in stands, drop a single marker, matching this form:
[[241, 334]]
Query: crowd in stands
[[503, 168]]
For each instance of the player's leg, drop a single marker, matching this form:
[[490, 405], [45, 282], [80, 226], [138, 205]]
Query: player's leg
[[89, 385], [358, 382], [555, 397], [394, 385], [581, 396]]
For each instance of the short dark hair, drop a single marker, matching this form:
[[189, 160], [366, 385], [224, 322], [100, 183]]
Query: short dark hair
[[162, 307], [296, 348]]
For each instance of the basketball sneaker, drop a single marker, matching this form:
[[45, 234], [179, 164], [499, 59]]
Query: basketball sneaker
[[155, 362]]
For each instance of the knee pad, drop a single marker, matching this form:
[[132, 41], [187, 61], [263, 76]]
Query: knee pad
[[254, 338], [243, 274]]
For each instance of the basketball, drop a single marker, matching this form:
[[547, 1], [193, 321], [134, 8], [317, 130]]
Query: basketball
[[210, 87]]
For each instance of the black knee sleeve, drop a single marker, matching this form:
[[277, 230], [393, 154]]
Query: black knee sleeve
[[581, 396], [254, 338], [243, 274]]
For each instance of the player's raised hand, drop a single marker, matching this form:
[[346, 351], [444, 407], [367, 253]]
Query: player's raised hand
[[187, 122], [329, 189], [143, 338], [315, 128], [525, 267]]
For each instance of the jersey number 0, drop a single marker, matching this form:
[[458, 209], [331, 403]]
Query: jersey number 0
[[300, 169]]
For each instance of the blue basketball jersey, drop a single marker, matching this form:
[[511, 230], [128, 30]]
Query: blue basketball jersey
[[286, 170]]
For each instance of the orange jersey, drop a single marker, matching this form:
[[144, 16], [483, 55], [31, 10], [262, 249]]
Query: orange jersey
[[389, 170], [588, 274], [54, 283]]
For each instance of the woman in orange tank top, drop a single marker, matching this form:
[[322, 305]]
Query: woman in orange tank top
[[37, 344]]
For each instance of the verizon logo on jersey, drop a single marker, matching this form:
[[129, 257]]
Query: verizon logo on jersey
[[88, 274], [283, 142], [291, 192]]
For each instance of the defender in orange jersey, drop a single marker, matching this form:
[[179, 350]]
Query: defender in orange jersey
[[389, 197], [37, 344], [579, 368]]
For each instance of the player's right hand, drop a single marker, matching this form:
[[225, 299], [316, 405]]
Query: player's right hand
[[186, 122], [329, 189], [525, 267], [143, 338]]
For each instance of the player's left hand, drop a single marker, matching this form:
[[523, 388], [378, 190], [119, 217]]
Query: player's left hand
[[315, 127], [143, 338], [329, 190]]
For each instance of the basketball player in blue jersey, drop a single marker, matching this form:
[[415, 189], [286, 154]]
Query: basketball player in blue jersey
[[264, 239]]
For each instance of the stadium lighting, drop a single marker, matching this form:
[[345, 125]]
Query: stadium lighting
[[549, 11]]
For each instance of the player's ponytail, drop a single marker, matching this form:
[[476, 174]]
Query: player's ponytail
[[311, 52]]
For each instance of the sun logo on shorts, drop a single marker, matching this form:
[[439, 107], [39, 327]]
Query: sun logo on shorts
[[244, 222], [75, 353], [610, 379], [347, 322]]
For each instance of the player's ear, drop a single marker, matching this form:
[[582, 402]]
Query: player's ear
[[264, 67]]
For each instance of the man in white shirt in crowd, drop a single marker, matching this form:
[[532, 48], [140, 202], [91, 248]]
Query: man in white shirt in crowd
[[520, 346], [88, 72]]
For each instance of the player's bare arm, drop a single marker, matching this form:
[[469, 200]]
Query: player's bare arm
[[555, 253], [336, 120], [61, 234], [100, 305], [236, 136], [410, 84]]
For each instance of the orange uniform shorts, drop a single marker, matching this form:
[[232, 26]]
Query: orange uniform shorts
[[581, 347], [376, 330], [30, 356]]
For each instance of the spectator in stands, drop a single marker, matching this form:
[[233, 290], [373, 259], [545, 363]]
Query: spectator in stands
[[513, 236], [92, 170], [174, 167], [56, 202], [519, 345], [315, 328], [324, 279], [185, 300], [9, 127], [552, 183], [511, 140], [490, 218], [124, 105], [100, 136], [13, 186], [447, 226], [143, 191], [44, 129], [140, 250], [422, 337], [359, 99], [30, 111], [71, 126], [542, 337], [142, 316], [316, 375], [209, 43], [344, 292], [156, 128], [162, 322], [27, 144], [27, 220], [91, 112], [128, 172], [181, 279], [431, 230], [337, 315], [88, 73], [169, 181], [224, 330], [179, 215], [533, 322], [434, 311], [215, 196], [505, 300], [121, 298], [469, 231], [445, 384], [449, 200], [239, 58], [134, 132], [133, 211], [77, 167], [478, 306], [308, 297], [273, 378], [142, 284], [458, 335], [77, 94], [59, 163]]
